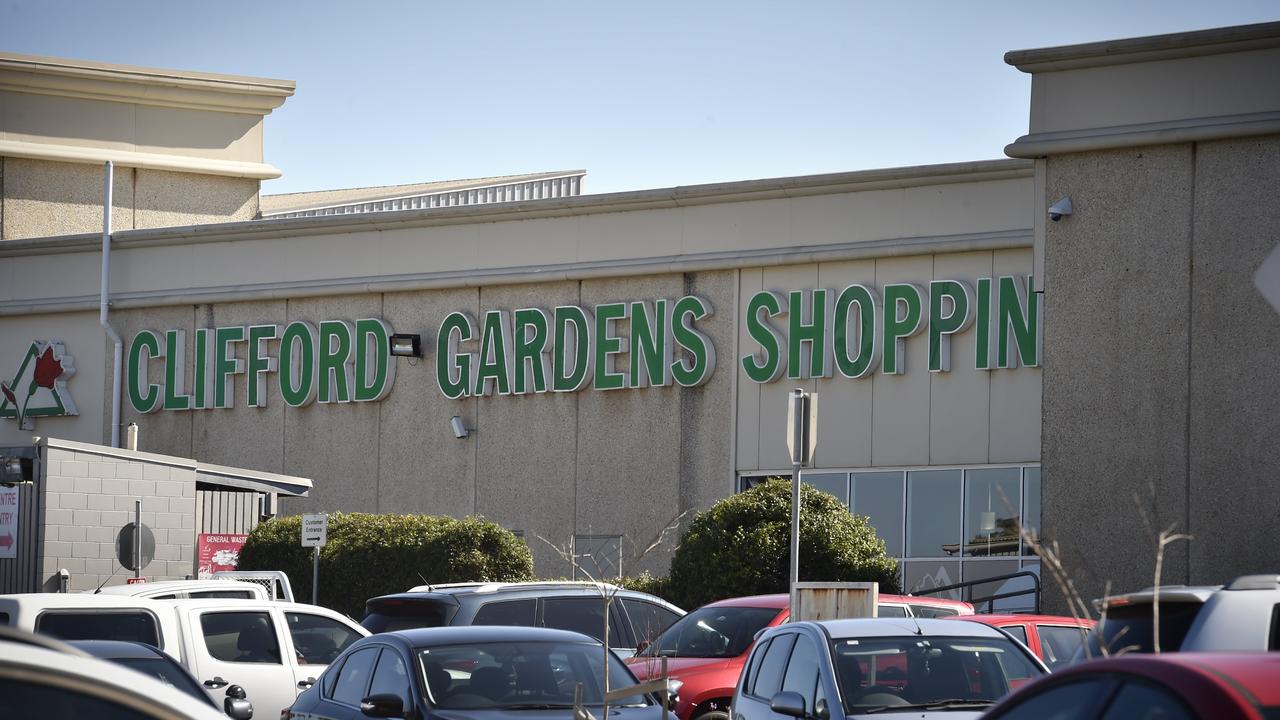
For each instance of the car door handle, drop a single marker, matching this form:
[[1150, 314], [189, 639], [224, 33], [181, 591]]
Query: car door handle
[[304, 684], [215, 683]]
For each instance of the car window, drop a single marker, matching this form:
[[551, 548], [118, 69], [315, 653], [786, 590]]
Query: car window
[[1058, 644], [168, 596], [136, 626], [1142, 701], [223, 594], [317, 639], [753, 668], [27, 699], [1128, 628], [1018, 631], [802, 671], [648, 620], [1274, 642], [391, 677], [397, 613], [933, 611], [579, 614], [353, 679], [1070, 701], [769, 678], [891, 611], [506, 612], [245, 637], [713, 632]]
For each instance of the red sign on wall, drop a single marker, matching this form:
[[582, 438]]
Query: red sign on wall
[[218, 552]]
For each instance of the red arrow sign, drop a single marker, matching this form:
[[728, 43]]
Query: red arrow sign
[[6, 541]]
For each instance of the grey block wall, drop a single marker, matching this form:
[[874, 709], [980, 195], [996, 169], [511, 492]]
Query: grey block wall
[[1161, 380], [88, 497]]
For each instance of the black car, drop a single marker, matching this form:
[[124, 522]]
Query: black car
[[471, 673], [634, 617], [152, 661]]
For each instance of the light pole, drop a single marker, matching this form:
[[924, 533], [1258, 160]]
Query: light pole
[[802, 435]]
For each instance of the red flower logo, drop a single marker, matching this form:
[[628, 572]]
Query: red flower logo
[[48, 369], [9, 394]]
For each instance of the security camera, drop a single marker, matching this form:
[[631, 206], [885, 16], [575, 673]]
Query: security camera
[[459, 430], [1059, 209]]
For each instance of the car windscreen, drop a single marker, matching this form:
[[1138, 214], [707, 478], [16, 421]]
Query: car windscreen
[[710, 632], [137, 626], [400, 613], [1128, 628], [167, 672], [889, 672], [521, 675]]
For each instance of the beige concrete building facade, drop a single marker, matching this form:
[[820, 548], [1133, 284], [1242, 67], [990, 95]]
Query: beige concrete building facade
[[618, 360]]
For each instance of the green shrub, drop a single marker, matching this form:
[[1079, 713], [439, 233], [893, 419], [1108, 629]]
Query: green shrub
[[646, 583], [742, 546], [369, 555]]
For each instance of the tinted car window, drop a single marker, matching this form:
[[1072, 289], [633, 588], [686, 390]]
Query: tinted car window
[[506, 612], [769, 678], [1128, 628], [228, 594], [713, 632], [1071, 701], [1018, 631], [246, 637], [135, 626], [1272, 644], [579, 614], [648, 620], [930, 611], [753, 668], [1059, 644], [398, 613], [317, 639], [353, 679], [891, 611], [1140, 700], [26, 699], [391, 677], [802, 671]]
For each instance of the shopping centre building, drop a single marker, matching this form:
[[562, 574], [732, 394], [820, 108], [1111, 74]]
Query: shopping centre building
[[592, 367]]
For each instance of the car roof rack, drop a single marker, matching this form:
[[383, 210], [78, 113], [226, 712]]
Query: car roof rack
[[1255, 582], [489, 587]]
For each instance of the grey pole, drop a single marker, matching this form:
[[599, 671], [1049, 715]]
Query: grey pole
[[315, 574], [137, 538]]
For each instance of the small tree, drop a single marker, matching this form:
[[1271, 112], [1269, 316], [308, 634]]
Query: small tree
[[742, 546]]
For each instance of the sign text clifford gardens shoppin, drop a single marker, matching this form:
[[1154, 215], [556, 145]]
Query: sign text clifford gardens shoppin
[[801, 334]]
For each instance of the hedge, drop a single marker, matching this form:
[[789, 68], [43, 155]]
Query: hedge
[[369, 555], [742, 546]]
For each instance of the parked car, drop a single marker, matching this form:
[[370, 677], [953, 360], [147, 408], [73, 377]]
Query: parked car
[[37, 680], [1169, 686], [271, 649], [634, 617], [482, 672], [150, 661], [1239, 616], [839, 668], [185, 589], [1055, 639], [707, 648]]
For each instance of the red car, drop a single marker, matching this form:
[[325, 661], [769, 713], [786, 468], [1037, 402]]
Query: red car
[[1169, 686], [1053, 638], [707, 648]]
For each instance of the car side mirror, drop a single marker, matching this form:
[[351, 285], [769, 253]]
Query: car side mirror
[[820, 709], [788, 703], [236, 705], [673, 693], [383, 705], [640, 646]]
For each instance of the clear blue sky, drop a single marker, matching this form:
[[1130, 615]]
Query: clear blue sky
[[640, 94]]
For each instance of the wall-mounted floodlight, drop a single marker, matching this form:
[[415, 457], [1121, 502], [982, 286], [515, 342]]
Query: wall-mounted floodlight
[[1060, 209], [460, 430], [406, 345]]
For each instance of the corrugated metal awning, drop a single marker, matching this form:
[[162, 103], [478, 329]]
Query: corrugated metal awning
[[253, 480]]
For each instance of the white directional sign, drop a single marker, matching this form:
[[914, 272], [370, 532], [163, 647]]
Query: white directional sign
[[1267, 279], [315, 529], [8, 522]]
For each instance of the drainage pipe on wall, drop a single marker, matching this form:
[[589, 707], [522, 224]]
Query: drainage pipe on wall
[[118, 351]]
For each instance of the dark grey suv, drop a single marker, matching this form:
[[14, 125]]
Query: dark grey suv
[[634, 617]]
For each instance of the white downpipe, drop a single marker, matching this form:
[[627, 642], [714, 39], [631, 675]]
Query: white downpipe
[[117, 355]]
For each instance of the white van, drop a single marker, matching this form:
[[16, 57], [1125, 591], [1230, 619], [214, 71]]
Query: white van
[[184, 589]]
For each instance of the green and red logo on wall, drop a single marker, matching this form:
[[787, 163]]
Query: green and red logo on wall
[[39, 388]]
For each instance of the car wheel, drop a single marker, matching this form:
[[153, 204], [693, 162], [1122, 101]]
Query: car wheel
[[713, 715]]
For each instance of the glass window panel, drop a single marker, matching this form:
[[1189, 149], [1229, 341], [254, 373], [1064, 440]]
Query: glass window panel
[[878, 495], [1139, 700], [992, 500], [979, 569], [1031, 502], [835, 483], [769, 678], [599, 556], [923, 575], [933, 525]]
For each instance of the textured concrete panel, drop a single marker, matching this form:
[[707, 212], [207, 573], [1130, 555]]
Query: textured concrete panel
[[773, 396], [166, 432], [706, 424], [900, 434], [44, 198], [334, 444], [166, 199], [844, 404], [959, 400], [1235, 379], [422, 467], [241, 436], [83, 340], [623, 486], [1115, 373], [1015, 393], [747, 422]]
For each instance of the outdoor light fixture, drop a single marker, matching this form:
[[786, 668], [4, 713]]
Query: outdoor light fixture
[[406, 345], [460, 430]]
